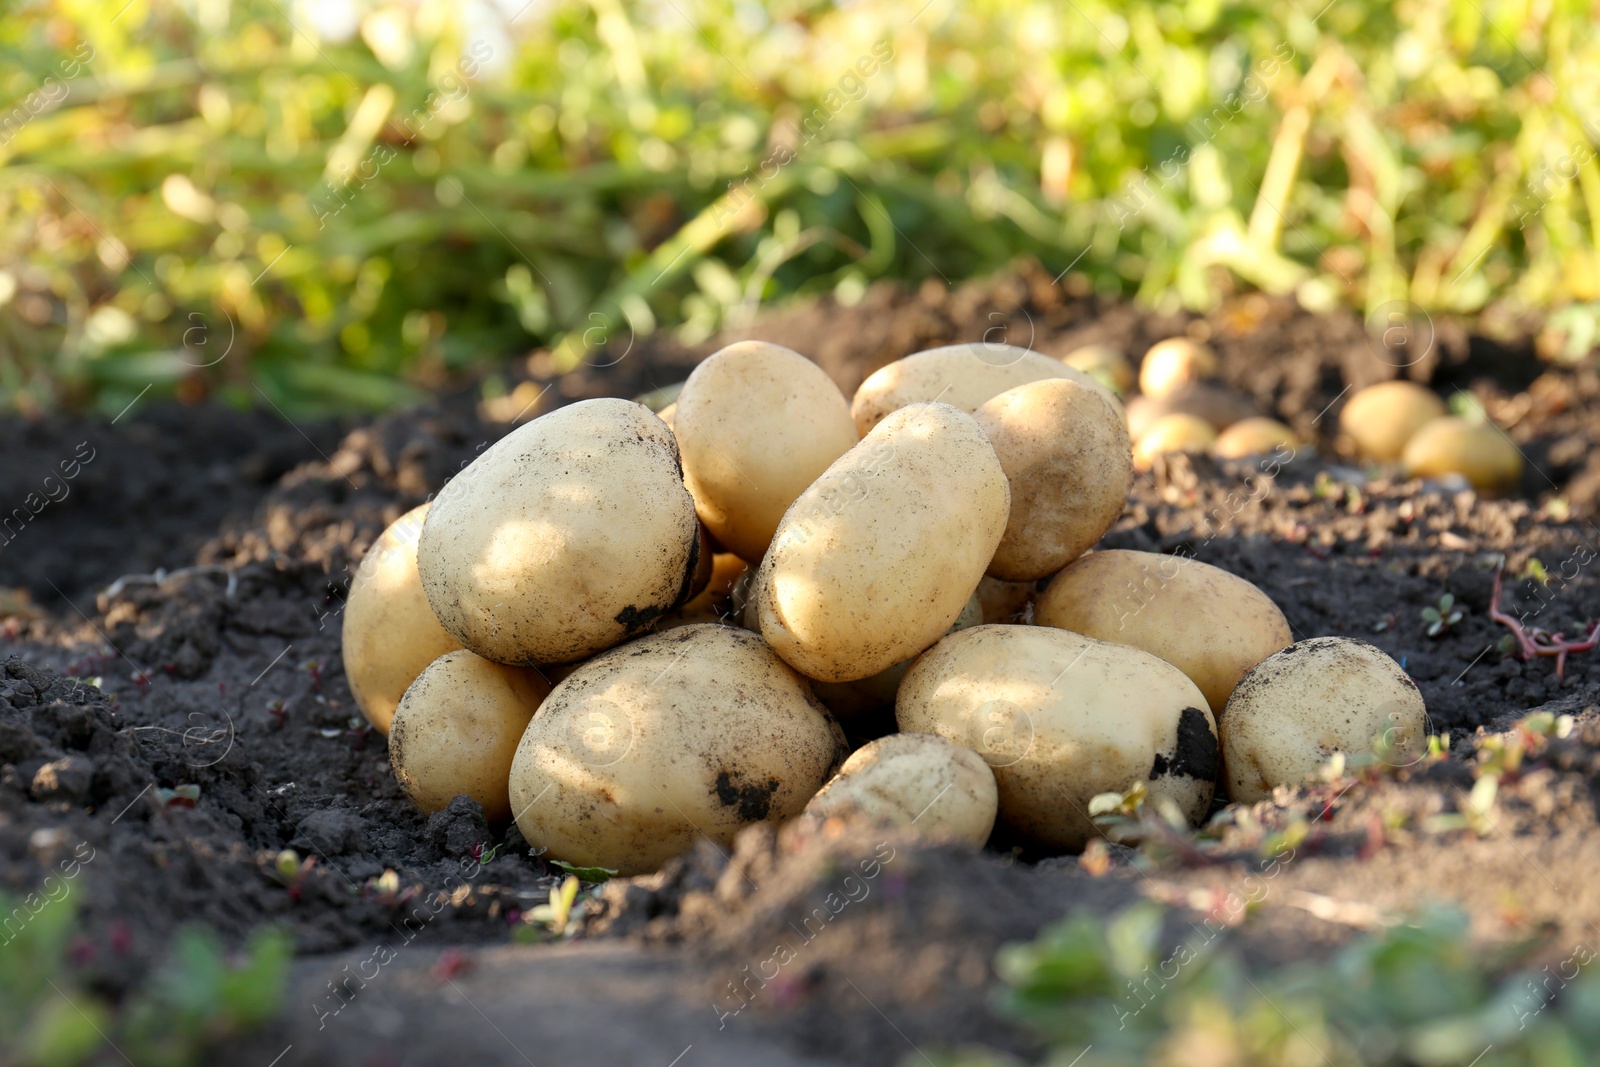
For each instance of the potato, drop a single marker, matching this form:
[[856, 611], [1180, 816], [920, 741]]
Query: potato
[[726, 570], [457, 728], [757, 423], [965, 376], [1060, 718], [1173, 433], [659, 400], [1381, 418], [1174, 363], [1216, 404], [917, 781], [1001, 601], [850, 700], [389, 632], [1257, 436], [1105, 365], [1480, 453], [1295, 709], [1212, 625], [669, 415], [1066, 456], [565, 537], [647, 748], [875, 561]]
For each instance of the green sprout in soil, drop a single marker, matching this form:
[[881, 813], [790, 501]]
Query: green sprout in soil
[[557, 918], [292, 871], [1442, 617]]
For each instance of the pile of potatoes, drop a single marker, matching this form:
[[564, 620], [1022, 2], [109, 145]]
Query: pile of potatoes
[[1401, 421], [627, 631]]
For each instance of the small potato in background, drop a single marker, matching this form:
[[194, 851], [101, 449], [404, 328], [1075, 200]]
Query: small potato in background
[[1173, 433], [1256, 436], [965, 376], [1067, 460], [389, 632], [1176, 362], [1217, 405], [1061, 718], [1295, 709], [1105, 365], [1380, 419], [757, 423], [1212, 625], [690, 734], [457, 728], [1477, 451], [918, 781]]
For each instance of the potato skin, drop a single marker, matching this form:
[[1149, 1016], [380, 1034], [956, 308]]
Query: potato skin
[[1217, 405], [1478, 452], [1295, 709], [965, 376], [700, 730], [756, 424], [1069, 464], [921, 781], [1255, 436], [875, 561], [1381, 418], [1174, 363], [457, 728], [389, 633], [1173, 433], [565, 537], [1060, 718], [1212, 625], [1105, 365]]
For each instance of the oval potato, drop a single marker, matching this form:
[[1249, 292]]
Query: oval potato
[[1255, 436], [1480, 453], [1174, 363], [568, 535], [1212, 625], [1105, 365], [1060, 718], [1218, 405], [696, 731], [1381, 418], [965, 376], [875, 561], [1295, 709], [1067, 460], [917, 781], [757, 423], [457, 728], [389, 633], [1173, 433]]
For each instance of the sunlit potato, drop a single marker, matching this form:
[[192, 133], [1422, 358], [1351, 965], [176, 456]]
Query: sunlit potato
[[850, 700], [1218, 405], [457, 728], [1173, 433], [1295, 709], [1105, 365], [1381, 418], [1067, 460], [757, 423], [875, 561], [1212, 625], [965, 376], [564, 538], [921, 782], [1257, 436], [1061, 718], [673, 738], [1174, 363], [1477, 451], [389, 633]]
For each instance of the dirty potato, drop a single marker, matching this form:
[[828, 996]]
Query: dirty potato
[[1212, 625], [647, 747], [921, 782], [565, 537], [457, 728], [1060, 718], [389, 632]]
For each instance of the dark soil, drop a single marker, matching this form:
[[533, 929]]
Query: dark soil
[[186, 633]]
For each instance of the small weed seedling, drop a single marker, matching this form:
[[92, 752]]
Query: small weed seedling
[[1442, 617], [292, 871], [557, 917]]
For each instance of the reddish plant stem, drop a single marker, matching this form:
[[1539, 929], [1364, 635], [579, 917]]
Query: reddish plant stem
[[1537, 642]]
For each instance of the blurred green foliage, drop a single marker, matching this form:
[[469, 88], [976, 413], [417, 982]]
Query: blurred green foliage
[[333, 203]]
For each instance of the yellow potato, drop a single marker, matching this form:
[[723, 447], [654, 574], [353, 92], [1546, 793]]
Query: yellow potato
[[851, 700], [1480, 453], [1105, 365], [457, 728], [568, 535], [669, 415], [389, 632], [1381, 418], [671, 739], [1212, 625], [965, 376], [920, 782], [757, 423], [1173, 433], [1256, 436], [1216, 404], [1066, 457], [726, 570], [1174, 363], [1294, 710], [875, 561], [1060, 718]]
